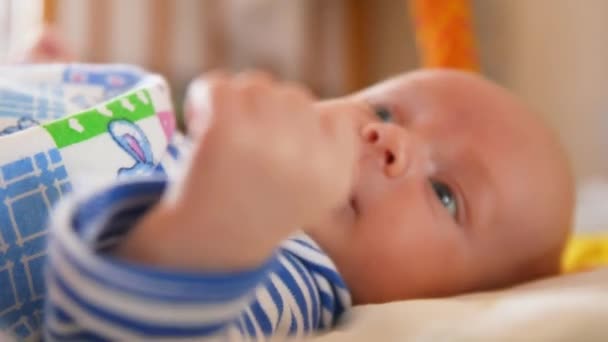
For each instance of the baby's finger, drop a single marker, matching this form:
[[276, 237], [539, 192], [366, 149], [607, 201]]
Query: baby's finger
[[254, 77], [211, 75], [297, 92], [202, 95], [294, 103], [340, 134], [199, 88], [347, 142], [253, 90]]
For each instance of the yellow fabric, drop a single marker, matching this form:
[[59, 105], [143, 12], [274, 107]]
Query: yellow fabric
[[585, 251]]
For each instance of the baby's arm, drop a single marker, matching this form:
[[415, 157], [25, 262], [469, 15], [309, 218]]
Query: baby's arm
[[93, 296], [212, 267]]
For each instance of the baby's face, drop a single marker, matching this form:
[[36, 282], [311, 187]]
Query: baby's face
[[458, 188]]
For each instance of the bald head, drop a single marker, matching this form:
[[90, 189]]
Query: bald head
[[536, 184], [528, 171], [475, 193]]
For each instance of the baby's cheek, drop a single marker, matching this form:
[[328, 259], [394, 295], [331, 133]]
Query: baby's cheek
[[425, 250], [385, 270]]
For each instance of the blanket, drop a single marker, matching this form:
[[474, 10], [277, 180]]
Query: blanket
[[565, 308]]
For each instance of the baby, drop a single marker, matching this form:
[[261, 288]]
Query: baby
[[433, 183]]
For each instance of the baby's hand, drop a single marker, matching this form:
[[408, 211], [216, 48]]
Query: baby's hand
[[266, 162]]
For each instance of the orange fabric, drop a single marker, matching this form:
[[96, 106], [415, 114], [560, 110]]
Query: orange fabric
[[49, 12], [444, 33]]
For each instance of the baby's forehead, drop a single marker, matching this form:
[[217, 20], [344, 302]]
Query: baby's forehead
[[461, 109]]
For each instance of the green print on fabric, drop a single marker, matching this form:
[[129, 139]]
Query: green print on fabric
[[76, 128]]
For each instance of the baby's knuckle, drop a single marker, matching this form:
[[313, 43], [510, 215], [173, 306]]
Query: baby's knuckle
[[252, 90], [212, 76], [216, 97], [254, 77], [218, 88], [297, 92], [317, 168]]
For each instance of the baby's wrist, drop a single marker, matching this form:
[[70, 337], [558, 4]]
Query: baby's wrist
[[145, 242], [165, 237]]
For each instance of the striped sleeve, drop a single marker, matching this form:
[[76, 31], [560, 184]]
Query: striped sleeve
[[93, 296]]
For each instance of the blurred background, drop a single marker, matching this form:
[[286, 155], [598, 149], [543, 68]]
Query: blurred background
[[553, 53]]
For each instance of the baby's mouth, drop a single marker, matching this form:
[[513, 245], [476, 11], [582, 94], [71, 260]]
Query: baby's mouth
[[354, 205]]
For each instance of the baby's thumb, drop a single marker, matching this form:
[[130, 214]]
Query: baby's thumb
[[341, 129], [340, 123]]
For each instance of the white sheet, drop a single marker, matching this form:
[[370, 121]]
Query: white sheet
[[566, 308], [592, 206]]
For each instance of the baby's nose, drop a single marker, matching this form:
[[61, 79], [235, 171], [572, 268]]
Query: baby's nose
[[392, 144]]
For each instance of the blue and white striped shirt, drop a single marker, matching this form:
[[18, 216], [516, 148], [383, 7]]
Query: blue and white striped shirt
[[94, 296]]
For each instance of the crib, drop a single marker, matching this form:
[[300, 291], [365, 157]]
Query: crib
[[572, 306]]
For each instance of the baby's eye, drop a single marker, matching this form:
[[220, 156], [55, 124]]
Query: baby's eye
[[446, 197], [384, 114]]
